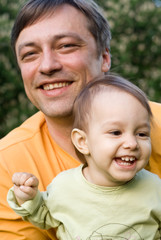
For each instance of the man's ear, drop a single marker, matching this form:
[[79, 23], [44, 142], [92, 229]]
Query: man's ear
[[106, 63], [80, 141]]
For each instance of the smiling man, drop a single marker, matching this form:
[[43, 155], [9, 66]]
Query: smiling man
[[60, 46]]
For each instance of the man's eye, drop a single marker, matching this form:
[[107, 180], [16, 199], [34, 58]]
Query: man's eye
[[69, 45], [27, 55]]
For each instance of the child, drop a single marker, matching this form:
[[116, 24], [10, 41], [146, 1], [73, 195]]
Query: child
[[110, 196]]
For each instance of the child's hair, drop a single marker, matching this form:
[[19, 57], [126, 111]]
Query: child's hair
[[83, 102]]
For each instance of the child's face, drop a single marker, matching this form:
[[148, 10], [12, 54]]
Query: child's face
[[118, 139]]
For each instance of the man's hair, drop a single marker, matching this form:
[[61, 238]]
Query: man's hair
[[34, 10], [83, 103]]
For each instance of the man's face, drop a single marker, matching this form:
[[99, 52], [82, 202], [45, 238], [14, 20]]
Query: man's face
[[57, 56]]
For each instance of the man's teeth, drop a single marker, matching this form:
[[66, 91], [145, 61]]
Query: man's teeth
[[55, 85], [127, 159]]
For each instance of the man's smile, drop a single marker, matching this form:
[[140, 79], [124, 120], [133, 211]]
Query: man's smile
[[52, 86]]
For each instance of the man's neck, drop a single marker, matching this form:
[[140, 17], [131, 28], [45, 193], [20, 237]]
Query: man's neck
[[60, 130]]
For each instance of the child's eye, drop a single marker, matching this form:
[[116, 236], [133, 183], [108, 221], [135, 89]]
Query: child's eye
[[115, 133], [142, 134]]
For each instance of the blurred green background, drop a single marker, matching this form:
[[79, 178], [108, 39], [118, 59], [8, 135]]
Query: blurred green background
[[135, 49]]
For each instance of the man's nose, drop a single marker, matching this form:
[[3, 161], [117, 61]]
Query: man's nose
[[49, 62], [130, 142]]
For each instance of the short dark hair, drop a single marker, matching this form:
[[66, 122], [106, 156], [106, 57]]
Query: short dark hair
[[33, 10], [83, 102]]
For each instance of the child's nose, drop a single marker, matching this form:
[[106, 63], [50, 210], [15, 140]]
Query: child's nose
[[130, 142]]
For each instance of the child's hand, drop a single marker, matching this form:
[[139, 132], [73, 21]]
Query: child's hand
[[25, 186]]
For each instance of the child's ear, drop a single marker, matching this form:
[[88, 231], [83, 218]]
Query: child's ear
[[80, 141]]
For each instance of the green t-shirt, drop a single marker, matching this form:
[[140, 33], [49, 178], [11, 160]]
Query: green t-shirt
[[84, 211]]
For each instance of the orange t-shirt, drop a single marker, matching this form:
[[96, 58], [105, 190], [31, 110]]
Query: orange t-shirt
[[154, 165], [30, 148]]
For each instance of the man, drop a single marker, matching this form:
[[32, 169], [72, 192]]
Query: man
[[60, 46]]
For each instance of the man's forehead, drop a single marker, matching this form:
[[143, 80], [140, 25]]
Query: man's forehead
[[65, 14], [61, 10], [59, 22]]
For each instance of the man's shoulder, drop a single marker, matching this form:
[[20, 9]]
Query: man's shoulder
[[156, 124], [155, 105], [25, 131], [156, 109]]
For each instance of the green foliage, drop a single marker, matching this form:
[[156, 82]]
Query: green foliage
[[15, 107], [136, 42], [135, 49]]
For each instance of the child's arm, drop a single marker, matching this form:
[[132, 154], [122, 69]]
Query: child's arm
[[25, 186], [38, 209]]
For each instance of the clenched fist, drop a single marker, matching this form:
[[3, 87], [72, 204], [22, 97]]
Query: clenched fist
[[25, 186]]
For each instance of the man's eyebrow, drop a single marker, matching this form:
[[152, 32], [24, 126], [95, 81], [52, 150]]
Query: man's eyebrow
[[55, 38], [69, 34], [25, 44]]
